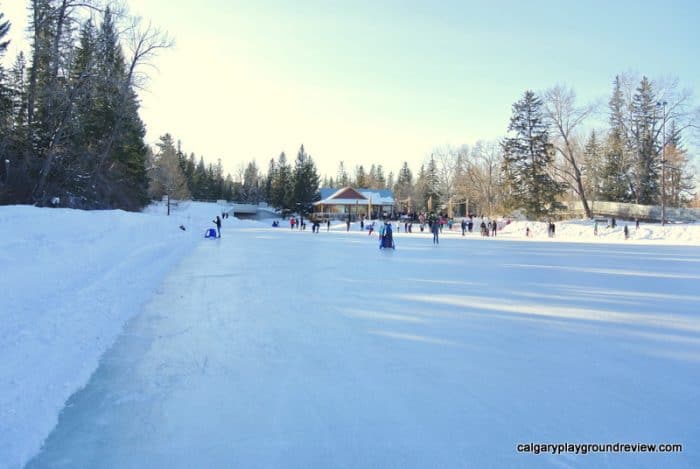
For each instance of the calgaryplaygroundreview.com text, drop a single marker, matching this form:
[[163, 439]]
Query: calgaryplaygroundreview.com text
[[585, 448]]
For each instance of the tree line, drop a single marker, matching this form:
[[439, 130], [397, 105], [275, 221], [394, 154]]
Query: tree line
[[70, 128], [288, 187], [550, 156], [69, 123]]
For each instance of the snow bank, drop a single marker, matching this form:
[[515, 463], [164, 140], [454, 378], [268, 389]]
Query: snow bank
[[576, 231], [71, 279], [583, 231]]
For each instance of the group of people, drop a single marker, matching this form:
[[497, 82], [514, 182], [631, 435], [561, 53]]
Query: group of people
[[488, 228], [613, 223], [299, 224]]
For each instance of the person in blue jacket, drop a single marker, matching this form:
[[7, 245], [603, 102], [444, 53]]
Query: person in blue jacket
[[435, 228]]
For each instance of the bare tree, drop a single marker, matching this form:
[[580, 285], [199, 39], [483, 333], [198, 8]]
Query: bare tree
[[447, 164], [143, 42], [564, 118], [483, 176]]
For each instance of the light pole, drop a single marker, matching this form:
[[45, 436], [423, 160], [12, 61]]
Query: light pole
[[663, 163], [7, 171]]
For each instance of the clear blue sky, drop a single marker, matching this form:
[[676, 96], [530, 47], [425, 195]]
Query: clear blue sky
[[387, 81]]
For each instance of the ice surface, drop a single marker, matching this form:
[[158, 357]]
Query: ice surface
[[273, 348]]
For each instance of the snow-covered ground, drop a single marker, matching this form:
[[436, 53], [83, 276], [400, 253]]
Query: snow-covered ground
[[70, 280], [279, 348]]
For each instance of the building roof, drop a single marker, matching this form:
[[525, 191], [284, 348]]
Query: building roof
[[350, 196]]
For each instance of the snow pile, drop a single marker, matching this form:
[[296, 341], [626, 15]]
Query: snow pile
[[71, 279], [583, 231]]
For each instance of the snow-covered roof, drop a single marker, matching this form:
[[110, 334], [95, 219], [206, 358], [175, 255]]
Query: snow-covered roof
[[352, 196], [378, 196]]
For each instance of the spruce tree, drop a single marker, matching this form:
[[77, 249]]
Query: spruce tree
[[389, 181], [615, 176], [404, 183], [680, 184], [380, 179], [269, 180], [361, 179], [419, 190], [592, 166], [282, 185], [306, 182], [645, 121], [251, 184], [342, 178], [528, 155], [166, 177]]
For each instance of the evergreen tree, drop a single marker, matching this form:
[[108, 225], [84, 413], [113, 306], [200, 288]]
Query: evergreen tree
[[282, 186], [528, 156], [404, 183], [361, 179], [6, 108], [306, 181], [389, 181], [342, 179], [679, 184], [200, 188], [615, 178], [269, 180], [419, 191], [645, 130], [166, 177], [379, 179], [251, 184], [592, 166]]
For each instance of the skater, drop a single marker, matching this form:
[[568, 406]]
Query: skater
[[636, 224], [627, 232], [494, 227], [386, 240], [292, 221], [436, 233], [217, 222], [527, 231], [595, 229], [370, 229], [484, 230], [328, 225], [362, 224], [614, 223], [348, 223], [464, 227]]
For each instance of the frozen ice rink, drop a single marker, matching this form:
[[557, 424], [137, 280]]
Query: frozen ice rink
[[273, 348]]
